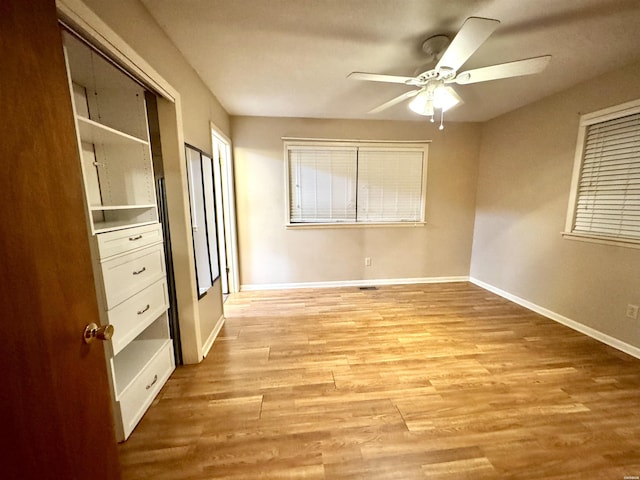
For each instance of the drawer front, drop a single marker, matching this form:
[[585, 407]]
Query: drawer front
[[138, 397], [122, 241], [126, 275], [136, 313]]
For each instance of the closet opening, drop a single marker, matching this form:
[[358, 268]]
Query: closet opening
[[163, 216]]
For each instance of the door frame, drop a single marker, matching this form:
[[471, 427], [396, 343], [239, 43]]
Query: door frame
[[227, 230]]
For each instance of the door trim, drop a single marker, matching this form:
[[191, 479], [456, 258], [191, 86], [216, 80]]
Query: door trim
[[79, 18], [229, 206]]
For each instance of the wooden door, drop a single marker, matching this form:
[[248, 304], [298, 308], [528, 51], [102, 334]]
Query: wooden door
[[55, 419]]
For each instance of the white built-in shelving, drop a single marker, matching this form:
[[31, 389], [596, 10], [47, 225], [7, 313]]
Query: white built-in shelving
[[126, 238], [113, 130]]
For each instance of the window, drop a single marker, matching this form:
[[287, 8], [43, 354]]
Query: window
[[203, 215], [355, 183], [322, 184], [605, 195]]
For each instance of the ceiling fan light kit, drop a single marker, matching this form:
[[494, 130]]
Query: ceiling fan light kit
[[435, 96], [433, 92], [422, 104]]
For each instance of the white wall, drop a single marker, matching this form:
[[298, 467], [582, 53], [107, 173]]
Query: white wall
[[526, 161], [271, 254]]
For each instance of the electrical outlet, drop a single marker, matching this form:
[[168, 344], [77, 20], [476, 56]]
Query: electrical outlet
[[632, 311], [367, 262]]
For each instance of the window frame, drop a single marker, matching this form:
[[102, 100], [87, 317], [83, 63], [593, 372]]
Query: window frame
[[415, 145], [586, 120]]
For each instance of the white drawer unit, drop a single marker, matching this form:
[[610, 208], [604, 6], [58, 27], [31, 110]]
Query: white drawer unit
[[127, 246], [135, 314], [130, 273], [121, 241], [143, 388]]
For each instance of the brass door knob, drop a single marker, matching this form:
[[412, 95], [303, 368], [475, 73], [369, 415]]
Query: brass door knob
[[93, 331]]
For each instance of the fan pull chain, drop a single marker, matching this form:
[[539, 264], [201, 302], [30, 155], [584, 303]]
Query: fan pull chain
[[441, 127]]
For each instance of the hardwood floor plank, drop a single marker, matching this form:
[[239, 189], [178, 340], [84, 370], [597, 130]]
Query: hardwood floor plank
[[406, 382], [472, 468]]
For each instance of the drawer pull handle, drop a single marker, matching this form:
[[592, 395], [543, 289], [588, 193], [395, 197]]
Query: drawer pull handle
[[155, 379], [144, 309], [133, 239], [140, 271]]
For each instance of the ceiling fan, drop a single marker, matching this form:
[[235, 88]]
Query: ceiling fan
[[433, 91]]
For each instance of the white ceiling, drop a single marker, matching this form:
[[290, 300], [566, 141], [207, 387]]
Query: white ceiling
[[291, 57]]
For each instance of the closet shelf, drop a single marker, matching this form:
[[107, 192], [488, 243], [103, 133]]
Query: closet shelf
[[94, 132], [132, 361], [101, 208], [103, 227]]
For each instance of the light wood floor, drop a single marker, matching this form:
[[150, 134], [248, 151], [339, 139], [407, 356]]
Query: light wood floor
[[440, 381]]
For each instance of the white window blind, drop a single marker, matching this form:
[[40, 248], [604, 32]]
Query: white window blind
[[322, 184], [389, 185], [608, 192], [355, 184]]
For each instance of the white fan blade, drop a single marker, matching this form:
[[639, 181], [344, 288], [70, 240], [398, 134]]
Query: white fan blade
[[395, 101], [473, 33], [375, 77], [504, 70]]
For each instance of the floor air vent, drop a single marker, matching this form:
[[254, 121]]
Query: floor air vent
[[368, 288]]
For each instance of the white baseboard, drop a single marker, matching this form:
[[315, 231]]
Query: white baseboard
[[212, 336], [352, 283], [590, 332]]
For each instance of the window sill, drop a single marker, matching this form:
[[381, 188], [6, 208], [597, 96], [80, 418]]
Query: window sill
[[301, 226], [618, 242]]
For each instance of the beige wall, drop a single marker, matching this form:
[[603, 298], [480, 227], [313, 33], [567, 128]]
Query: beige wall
[[130, 20], [271, 254], [526, 162]]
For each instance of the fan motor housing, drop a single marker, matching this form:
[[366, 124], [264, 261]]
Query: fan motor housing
[[435, 46]]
